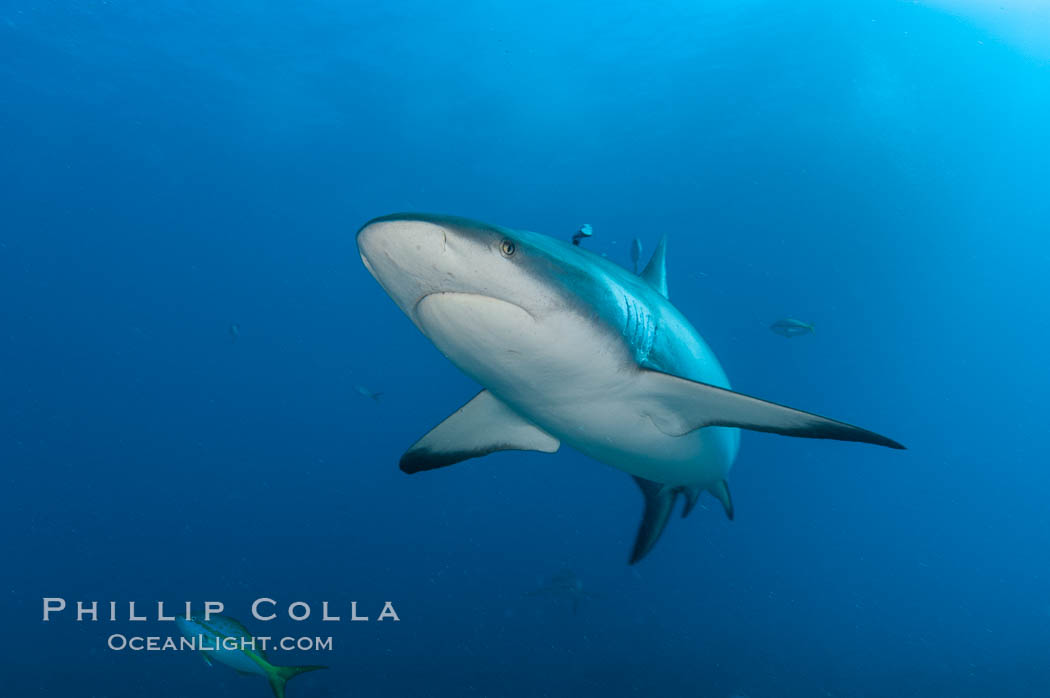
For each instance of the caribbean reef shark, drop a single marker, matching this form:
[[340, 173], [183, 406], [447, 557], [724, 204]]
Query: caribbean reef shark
[[572, 348]]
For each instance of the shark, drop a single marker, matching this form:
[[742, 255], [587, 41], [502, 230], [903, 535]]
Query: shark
[[571, 348]]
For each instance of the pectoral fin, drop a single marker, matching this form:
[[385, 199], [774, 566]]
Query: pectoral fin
[[679, 406], [482, 426]]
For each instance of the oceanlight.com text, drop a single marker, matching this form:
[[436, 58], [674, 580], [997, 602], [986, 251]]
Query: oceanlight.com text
[[154, 643]]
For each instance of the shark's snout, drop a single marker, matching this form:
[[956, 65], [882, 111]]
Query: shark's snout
[[405, 241], [405, 255]]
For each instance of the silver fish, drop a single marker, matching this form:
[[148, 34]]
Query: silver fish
[[362, 390], [224, 640], [790, 327]]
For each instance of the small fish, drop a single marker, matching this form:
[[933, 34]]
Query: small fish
[[790, 327], [211, 635], [636, 252], [367, 393], [235, 332], [585, 231]]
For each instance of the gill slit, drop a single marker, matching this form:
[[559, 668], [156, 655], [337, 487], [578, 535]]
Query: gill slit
[[639, 329]]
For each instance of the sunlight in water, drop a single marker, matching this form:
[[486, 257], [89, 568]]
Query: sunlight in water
[[1024, 23]]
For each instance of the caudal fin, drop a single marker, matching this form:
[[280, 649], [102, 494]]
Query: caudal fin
[[281, 675]]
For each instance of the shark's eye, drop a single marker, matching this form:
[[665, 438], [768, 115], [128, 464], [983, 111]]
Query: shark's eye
[[507, 248]]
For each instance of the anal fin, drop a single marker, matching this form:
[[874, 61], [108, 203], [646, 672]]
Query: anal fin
[[482, 426]]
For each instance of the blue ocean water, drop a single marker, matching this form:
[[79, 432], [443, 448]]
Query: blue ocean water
[[186, 321]]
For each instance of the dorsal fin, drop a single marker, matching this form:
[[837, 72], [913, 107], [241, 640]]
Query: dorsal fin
[[655, 272]]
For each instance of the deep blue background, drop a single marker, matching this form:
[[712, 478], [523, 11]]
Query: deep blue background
[[168, 168]]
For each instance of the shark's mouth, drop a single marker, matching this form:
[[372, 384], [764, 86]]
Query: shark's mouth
[[377, 277], [473, 303], [464, 325], [368, 266], [485, 337]]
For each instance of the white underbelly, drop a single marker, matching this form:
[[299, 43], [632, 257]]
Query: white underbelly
[[574, 382], [618, 434]]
